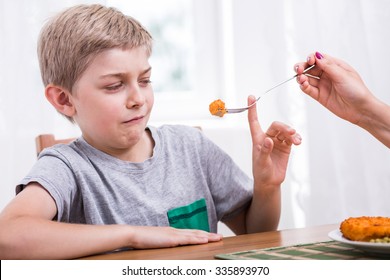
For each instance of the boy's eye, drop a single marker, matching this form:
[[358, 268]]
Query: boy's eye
[[114, 87], [145, 82]]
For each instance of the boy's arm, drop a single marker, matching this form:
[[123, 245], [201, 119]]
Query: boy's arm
[[262, 214], [28, 232], [270, 155]]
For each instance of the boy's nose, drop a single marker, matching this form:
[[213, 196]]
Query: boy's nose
[[135, 98]]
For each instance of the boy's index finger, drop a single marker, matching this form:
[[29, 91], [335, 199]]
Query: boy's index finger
[[254, 124]]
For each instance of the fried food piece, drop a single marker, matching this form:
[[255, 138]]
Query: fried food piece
[[217, 108], [365, 228]]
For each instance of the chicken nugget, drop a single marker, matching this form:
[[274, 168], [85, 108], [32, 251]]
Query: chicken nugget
[[365, 228]]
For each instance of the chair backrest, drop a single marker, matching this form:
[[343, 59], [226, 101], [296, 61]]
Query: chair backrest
[[47, 140]]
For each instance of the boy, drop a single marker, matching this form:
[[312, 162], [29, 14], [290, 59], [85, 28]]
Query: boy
[[124, 183]]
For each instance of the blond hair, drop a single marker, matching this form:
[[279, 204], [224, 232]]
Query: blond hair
[[69, 41]]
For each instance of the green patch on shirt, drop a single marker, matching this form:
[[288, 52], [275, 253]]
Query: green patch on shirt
[[192, 216]]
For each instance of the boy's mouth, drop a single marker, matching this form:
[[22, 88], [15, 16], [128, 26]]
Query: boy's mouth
[[135, 119]]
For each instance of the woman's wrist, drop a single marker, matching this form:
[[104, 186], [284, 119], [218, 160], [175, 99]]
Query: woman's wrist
[[376, 120]]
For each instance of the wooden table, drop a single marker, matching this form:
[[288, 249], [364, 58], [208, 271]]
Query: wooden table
[[227, 245]]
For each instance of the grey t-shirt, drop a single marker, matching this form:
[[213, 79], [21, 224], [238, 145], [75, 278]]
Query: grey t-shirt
[[92, 187]]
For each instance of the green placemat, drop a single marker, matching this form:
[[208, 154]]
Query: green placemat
[[329, 250]]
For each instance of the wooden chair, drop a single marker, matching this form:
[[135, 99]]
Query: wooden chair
[[47, 140]]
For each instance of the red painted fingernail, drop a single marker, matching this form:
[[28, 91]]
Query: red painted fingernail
[[319, 55]]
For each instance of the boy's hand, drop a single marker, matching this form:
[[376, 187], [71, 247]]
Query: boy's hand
[[161, 237], [271, 150]]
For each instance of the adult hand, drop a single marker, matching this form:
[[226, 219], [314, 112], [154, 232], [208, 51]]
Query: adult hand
[[339, 87]]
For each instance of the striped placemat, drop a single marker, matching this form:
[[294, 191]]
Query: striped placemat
[[328, 250]]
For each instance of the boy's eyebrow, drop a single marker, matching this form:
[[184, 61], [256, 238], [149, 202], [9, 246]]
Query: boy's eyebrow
[[123, 74], [147, 70]]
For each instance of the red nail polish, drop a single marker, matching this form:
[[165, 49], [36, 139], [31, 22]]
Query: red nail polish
[[319, 55]]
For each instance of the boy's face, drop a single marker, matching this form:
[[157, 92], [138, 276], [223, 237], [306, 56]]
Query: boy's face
[[113, 99]]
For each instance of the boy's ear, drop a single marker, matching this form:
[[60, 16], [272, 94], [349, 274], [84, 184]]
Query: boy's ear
[[61, 99]]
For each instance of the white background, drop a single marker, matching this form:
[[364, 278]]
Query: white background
[[305, 270]]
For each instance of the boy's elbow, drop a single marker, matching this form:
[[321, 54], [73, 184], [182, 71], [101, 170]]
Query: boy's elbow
[[5, 243], [11, 242]]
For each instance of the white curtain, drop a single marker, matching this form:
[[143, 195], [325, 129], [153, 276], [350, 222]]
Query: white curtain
[[338, 171], [24, 111]]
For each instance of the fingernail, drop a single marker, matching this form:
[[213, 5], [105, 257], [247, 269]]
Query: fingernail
[[296, 69], [308, 59], [266, 145], [319, 55]]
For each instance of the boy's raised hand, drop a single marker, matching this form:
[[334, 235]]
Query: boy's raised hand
[[271, 150]]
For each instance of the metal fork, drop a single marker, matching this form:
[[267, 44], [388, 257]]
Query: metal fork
[[239, 110]]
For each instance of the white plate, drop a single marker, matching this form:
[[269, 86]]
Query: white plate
[[369, 247]]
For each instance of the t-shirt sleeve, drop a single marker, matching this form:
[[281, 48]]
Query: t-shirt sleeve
[[54, 174], [231, 188]]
